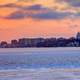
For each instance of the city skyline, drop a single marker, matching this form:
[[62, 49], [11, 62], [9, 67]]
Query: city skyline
[[42, 42], [39, 18]]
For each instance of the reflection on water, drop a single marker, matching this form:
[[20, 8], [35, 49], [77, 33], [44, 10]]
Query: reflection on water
[[41, 74], [51, 58], [40, 64]]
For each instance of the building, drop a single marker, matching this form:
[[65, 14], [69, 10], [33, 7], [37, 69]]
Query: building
[[29, 42], [14, 43], [23, 42], [3, 44], [78, 36]]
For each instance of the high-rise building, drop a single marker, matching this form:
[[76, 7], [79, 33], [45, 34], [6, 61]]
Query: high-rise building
[[78, 35]]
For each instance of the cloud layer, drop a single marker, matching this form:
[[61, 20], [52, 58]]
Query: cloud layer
[[75, 3], [38, 11]]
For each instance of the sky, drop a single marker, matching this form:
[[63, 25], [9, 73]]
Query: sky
[[39, 18]]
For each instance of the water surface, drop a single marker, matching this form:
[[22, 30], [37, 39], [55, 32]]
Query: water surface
[[40, 64]]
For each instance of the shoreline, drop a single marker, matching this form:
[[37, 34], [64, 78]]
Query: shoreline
[[38, 49]]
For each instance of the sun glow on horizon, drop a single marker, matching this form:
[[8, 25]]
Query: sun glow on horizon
[[38, 18]]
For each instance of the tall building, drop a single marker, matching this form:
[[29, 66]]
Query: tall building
[[14, 43], [78, 35]]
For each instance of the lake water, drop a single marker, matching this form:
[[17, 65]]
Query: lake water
[[40, 64]]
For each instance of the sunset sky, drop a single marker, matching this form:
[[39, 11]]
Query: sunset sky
[[39, 18]]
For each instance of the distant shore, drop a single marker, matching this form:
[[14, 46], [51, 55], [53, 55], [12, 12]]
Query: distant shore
[[42, 42]]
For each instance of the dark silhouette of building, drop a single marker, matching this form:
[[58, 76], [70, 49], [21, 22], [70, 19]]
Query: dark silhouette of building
[[78, 38], [14, 43], [42, 42], [29, 42], [78, 35], [3, 44]]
